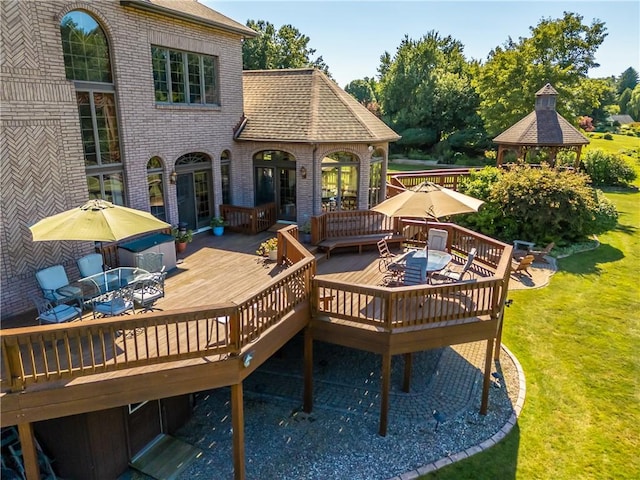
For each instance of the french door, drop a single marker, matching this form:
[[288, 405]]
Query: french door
[[277, 184], [194, 198]]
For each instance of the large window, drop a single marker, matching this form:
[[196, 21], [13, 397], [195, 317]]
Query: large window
[[87, 62], [340, 181], [155, 184], [186, 78]]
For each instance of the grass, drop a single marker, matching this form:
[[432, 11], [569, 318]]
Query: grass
[[578, 341], [620, 144]]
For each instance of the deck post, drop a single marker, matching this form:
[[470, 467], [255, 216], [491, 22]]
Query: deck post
[[237, 421], [487, 377], [498, 346], [308, 371], [29, 452], [408, 364], [386, 383]]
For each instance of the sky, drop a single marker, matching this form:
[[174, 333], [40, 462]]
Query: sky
[[352, 35]]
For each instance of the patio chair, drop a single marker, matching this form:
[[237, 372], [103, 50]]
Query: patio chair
[[149, 290], [49, 313], [386, 257], [539, 255], [437, 239], [523, 265], [151, 262], [113, 304], [90, 264], [453, 275], [51, 279]]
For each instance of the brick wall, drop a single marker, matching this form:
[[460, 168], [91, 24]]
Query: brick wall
[[42, 170]]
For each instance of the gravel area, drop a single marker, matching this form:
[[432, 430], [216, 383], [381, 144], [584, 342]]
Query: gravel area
[[339, 439]]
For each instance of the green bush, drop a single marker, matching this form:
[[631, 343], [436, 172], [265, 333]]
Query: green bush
[[607, 168], [536, 204], [608, 136]]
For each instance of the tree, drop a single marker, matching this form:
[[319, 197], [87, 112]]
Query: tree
[[425, 90], [559, 52], [628, 79], [274, 49], [633, 107], [362, 90]]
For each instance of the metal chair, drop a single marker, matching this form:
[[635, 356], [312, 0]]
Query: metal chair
[[90, 264], [151, 262], [451, 275], [51, 279], [149, 290], [118, 302], [49, 313]]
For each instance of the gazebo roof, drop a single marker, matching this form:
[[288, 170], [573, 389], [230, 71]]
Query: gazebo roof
[[544, 126]]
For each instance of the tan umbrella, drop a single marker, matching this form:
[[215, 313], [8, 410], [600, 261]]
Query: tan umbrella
[[97, 221], [428, 200]]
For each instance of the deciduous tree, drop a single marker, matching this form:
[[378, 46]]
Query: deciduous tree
[[559, 51], [282, 48]]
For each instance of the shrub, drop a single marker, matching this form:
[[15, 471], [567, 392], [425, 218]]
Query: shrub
[[607, 168], [536, 204], [607, 136]]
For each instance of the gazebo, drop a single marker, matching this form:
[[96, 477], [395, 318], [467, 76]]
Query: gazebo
[[544, 128]]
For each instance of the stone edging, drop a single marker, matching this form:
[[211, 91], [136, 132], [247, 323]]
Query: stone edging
[[488, 443]]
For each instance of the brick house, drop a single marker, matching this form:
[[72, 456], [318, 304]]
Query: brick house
[[144, 103]]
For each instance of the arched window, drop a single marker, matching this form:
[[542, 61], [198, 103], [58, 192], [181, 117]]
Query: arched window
[[376, 183], [340, 177], [155, 184], [87, 62], [225, 173]]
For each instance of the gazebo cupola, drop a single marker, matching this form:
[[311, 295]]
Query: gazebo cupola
[[544, 128]]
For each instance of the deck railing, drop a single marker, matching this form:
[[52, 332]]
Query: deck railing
[[249, 220], [401, 307], [50, 353], [350, 223], [448, 177]]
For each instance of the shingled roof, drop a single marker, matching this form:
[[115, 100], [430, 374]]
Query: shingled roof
[[304, 105], [193, 11], [544, 126]]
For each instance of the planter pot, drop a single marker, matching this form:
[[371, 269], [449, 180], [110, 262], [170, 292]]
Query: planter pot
[[273, 255], [305, 237], [217, 231], [181, 246]]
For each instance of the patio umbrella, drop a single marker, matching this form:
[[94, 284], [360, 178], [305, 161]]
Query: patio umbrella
[[97, 221], [428, 200]]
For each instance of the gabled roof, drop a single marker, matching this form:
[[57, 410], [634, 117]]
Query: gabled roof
[[621, 119], [542, 127], [304, 105], [192, 11]]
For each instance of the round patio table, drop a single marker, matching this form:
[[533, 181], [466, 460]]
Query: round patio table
[[436, 261]]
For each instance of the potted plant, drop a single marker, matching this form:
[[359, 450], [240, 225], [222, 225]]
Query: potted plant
[[269, 248], [217, 225], [182, 236], [305, 231]]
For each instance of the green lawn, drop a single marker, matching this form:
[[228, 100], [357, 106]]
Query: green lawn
[[578, 341], [620, 143]]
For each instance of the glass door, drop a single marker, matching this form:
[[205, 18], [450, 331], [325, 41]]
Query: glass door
[[194, 199], [277, 184], [287, 194]]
